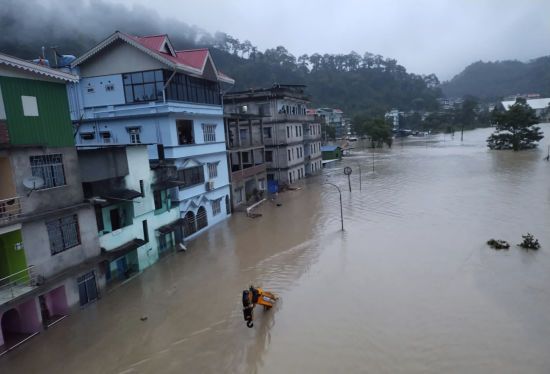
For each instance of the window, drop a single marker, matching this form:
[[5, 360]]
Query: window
[[216, 207], [288, 132], [49, 168], [63, 233], [267, 132], [145, 230], [245, 157], [295, 130], [30, 106], [212, 169], [87, 135], [157, 197], [289, 155], [269, 156], [191, 89], [106, 136], [143, 86], [87, 288], [185, 132], [134, 135], [261, 184], [191, 176], [209, 132], [239, 195]]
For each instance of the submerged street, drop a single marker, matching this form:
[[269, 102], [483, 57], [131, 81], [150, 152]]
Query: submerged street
[[409, 287]]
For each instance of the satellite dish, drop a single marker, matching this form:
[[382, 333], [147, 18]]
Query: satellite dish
[[33, 183]]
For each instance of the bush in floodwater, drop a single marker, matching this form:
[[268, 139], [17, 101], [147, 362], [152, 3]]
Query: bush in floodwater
[[498, 244], [529, 242]]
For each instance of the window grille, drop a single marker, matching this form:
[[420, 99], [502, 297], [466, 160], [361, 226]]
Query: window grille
[[134, 135], [49, 168], [217, 206], [212, 169], [209, 132], [63, 233]]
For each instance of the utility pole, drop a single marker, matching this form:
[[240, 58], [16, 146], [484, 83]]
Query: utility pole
[[341, 209]]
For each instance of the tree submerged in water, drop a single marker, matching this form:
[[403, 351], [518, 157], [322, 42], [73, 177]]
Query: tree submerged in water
[[515, 128]]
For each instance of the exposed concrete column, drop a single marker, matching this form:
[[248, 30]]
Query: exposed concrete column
[[250, 132], [238, 133]]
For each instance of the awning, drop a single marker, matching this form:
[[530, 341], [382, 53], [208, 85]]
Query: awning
[[122, 195], [122, 249], [171, 226]]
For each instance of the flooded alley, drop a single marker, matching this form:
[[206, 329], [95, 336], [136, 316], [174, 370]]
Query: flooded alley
[[409, 287]]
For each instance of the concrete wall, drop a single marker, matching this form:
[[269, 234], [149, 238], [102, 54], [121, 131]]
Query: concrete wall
[[280, 133], [94, 92], [280, 156], [122, 59], [102, 163], [37, 244], [7, 186], [51, 198]]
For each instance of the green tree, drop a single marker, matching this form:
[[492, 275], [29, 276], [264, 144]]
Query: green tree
[[514, 128]]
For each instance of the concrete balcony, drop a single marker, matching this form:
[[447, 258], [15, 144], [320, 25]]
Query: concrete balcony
[[193, 150], [10, 210], [17, 284], [293, 118], [246, 172]]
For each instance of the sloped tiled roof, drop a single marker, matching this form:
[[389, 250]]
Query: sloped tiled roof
[[190, 61]]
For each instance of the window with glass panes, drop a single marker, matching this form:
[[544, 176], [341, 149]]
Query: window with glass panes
[[185, 88], [143, 86]]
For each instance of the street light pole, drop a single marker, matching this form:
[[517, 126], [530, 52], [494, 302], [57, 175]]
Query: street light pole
[[341, 210]]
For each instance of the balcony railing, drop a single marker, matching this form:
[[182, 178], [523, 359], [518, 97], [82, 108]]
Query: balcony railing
[[10, 209], [282, 117], [17, 284]]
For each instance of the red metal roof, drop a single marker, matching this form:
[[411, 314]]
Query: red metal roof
[[154, 42], [193, 58]]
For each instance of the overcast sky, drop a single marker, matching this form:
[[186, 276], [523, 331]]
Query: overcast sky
[[425, 36]]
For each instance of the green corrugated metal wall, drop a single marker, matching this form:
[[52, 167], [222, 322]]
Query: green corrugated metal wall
[[52, 127]]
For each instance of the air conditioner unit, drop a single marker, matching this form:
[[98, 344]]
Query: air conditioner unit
[[243, 109], [209, 185]]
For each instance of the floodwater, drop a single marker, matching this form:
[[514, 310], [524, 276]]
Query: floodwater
[[408, 287]]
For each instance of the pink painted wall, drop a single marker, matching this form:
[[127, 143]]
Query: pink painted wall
[[56, 301], [31, 320]]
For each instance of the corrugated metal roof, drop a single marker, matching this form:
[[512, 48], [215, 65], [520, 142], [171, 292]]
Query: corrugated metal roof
[[329, 148], [40, 70], [533, 103]]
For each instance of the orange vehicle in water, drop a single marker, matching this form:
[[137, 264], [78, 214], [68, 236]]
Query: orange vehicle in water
[[253, 296]]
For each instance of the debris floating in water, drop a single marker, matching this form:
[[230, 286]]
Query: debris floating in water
[[144, 318], [529, 242], [498, 244]]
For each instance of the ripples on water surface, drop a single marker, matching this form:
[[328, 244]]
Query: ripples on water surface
[[409, 287]]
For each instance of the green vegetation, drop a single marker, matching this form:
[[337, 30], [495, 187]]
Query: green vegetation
[[378, 130], [514, 128], [494, 80]]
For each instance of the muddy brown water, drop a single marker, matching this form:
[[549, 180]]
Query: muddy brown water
[[408, 287]]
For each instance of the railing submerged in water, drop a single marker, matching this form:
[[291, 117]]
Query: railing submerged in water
[[10, 209]]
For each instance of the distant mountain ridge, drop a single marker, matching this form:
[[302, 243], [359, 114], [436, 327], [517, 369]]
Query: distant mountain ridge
[[494, 80]]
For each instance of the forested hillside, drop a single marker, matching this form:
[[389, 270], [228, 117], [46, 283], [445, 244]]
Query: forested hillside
[[494, 80], [353, 82]]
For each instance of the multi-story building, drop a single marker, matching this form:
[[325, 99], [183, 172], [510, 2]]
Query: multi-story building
[[333, 118], [283, 108], [136, 90], [312, 147], [135, 220], [246, 156], [49, 250]]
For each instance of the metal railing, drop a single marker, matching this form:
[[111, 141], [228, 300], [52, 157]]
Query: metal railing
[[10, 209], [17, 284]]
